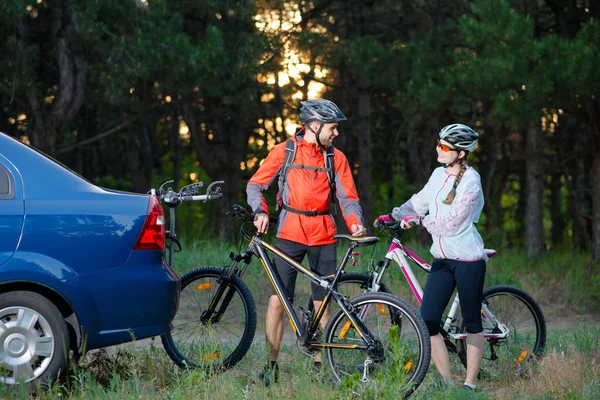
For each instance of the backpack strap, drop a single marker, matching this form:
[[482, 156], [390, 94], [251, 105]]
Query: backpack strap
[[290, 154], [330, 166]]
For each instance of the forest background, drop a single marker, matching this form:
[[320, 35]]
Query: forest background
[[132, 93]]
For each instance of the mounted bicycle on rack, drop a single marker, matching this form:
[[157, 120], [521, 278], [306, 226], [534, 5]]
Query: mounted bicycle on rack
[[172, 199], [216, 321]]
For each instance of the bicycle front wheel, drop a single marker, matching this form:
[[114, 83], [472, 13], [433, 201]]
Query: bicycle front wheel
[[523, 317], [210, 334], [403, 354]]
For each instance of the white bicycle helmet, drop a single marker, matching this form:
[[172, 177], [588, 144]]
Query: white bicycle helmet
[[460, 136], [320, 110]]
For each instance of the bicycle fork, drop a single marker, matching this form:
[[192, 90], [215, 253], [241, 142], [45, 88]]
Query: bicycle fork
[[356, 320], [225, 290]]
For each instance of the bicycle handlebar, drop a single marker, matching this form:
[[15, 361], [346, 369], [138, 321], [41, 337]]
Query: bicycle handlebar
[[240, 212], [393, 226], [247, 217]]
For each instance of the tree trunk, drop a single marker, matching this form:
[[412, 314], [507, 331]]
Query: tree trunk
[[488, 165], [220, 158], [596, 207], [419, 155], [363, 130], [518, 236], [225, 225], [72, 69], [176, 147], [577, 201], [534, 215], [556, 215], [139, 159], [593, 111]]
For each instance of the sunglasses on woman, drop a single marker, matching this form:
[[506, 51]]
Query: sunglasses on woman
[[445, 148]]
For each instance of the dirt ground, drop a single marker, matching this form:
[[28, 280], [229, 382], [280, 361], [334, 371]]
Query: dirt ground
[[553, 323]]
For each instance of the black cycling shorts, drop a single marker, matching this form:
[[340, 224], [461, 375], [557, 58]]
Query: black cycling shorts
[[322, 261], [445, 275]]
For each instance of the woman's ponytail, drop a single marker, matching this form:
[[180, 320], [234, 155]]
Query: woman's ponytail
[[463, 167]]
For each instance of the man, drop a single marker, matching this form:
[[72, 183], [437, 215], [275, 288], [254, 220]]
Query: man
[[305, 224]]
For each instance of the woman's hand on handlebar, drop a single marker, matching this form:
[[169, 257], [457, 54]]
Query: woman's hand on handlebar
[[383, 219], [409, 222], [261, 222]]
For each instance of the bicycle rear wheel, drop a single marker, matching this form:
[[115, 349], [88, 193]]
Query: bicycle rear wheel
[[524, 319], [401, 354], [214, 338]]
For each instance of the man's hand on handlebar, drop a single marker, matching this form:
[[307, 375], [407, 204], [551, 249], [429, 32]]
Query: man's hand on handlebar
[[261, 222]]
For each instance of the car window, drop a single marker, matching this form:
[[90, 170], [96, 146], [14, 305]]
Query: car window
[[7, 184]]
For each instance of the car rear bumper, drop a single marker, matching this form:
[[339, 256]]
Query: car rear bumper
[[134, 301]]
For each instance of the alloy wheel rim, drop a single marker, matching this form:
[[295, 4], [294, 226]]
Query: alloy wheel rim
[[26, 345]]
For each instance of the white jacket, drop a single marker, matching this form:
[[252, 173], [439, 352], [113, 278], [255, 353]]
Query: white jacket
[[451, 226]]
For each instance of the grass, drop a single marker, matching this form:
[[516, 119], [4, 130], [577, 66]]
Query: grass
[[569, 370], [563, 284]]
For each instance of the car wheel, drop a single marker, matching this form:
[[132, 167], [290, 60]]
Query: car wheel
[[33, 336]]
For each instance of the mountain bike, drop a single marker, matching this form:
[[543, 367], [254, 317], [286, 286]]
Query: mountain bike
[[513, 323], [360, 338]]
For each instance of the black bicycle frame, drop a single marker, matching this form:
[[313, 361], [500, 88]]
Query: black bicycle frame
[[259, 248]]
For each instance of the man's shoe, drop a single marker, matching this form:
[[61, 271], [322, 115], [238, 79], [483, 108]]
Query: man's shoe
[[316, 375], [468, 388], [316, 366], [270, 374]]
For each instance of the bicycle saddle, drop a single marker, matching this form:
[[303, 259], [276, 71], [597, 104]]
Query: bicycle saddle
[[360, 240]]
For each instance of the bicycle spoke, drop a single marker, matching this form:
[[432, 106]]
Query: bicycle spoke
[[211, 343], [400, 342], [526, 330]]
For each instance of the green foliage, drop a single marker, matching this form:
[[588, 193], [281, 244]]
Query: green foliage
[[387, 195]]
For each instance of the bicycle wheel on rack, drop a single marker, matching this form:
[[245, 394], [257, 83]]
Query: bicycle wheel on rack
[[405, 353], [214, 338], [524, 319]]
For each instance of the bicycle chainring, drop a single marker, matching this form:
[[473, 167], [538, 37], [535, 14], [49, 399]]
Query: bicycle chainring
[[304, 344]]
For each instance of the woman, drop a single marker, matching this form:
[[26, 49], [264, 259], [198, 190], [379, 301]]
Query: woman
[[448, 206]]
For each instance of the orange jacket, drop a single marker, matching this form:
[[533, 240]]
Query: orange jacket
[[306, 189]]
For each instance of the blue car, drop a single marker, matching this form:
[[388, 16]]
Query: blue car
[[81, 267]]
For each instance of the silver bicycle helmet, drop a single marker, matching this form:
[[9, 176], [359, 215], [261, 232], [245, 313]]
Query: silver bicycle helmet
[[460, 136], [320, 110]]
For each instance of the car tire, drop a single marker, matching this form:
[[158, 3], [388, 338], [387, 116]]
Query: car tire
[[33, 339]]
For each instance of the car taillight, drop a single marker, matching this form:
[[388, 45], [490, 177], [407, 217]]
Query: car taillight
[[152, 236]]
